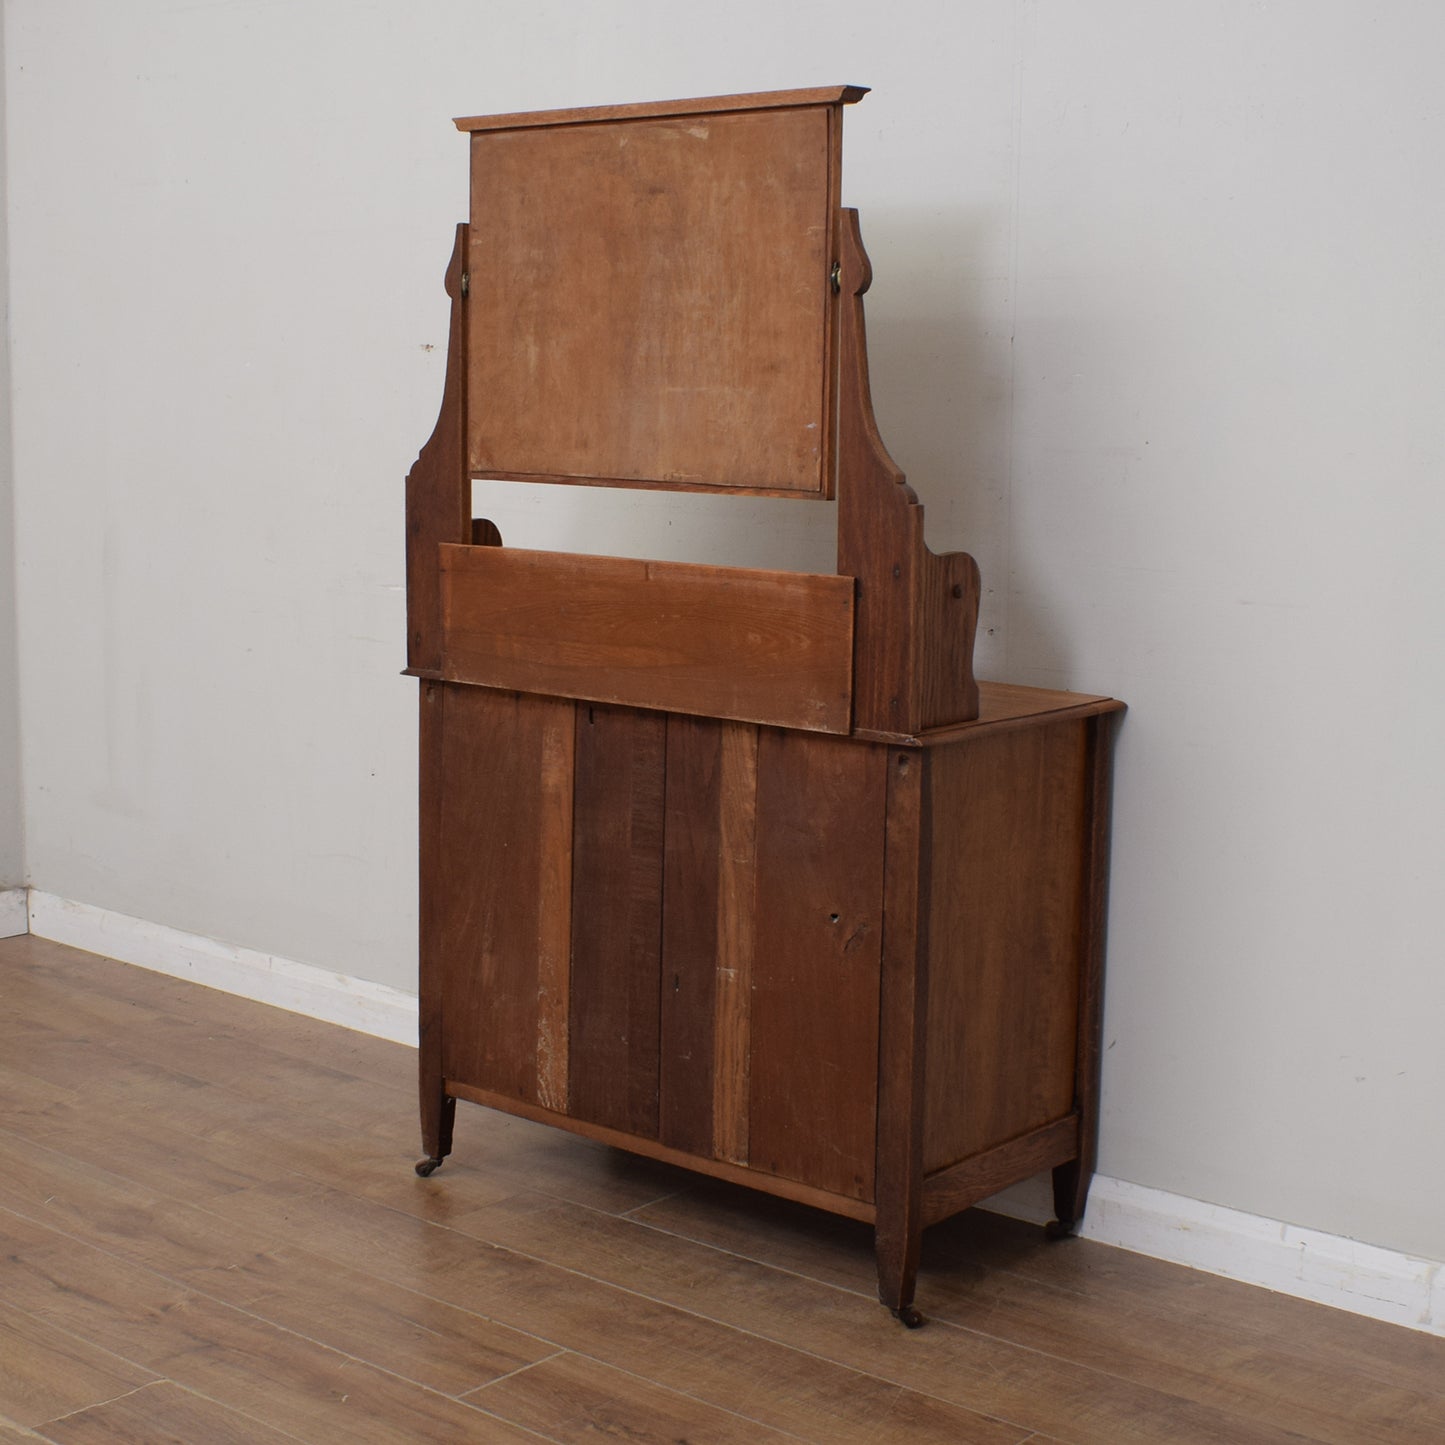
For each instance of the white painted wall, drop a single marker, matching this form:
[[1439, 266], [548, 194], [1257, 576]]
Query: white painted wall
[[1158, 331], [12, 834]]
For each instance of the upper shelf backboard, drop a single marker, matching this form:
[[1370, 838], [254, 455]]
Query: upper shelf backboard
[[650, 297]]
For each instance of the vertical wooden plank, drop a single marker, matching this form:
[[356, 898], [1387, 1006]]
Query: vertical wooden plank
[[689, 933], [1008, 819], [554, 922], [815, 965], [437, 1110], [617, 917], [902, 1032], [499, 911], [736, 902]]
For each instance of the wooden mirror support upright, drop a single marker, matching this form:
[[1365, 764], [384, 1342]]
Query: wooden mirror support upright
[[736, 869]]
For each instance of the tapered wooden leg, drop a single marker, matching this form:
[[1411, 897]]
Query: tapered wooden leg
[[1072, 1180], [437, 1109], [897, 1242], [898, 1178], [1071, 1194]]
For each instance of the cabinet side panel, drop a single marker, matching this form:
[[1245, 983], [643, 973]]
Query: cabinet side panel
[[617, 917], [494, 914], [817, 946], [1009, 828], [689, 933]]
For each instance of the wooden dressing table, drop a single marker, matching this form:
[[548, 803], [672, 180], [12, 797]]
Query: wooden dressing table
[[736, 869]]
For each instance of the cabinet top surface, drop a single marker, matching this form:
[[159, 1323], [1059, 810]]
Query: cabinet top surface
[[656, 109]]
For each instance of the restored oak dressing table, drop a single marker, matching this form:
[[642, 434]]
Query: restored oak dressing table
[[736, 869]]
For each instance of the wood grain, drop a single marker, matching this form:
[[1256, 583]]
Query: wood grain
[[737, 942], [690, 899], [569, 1397], [765, 1316], [617, 908], [727, 642], [48, 1373], [600, 255], [502, 905], [438, 490], [161, 1414], [902, 1026], [813, 1030], [917, 612], [1009, 818], [652, 109]]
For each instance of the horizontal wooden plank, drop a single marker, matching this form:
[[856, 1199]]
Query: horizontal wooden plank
[[764, 647], [651, 1149], [656, 109], [970, 1180]]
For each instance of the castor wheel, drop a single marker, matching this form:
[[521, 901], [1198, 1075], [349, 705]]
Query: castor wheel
[[908, 1317], [1060, 1228], [427, 1167]]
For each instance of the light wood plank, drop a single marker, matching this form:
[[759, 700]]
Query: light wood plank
[[584, 355], [45, 1372], [162, 1414], [268, 1224], [962, 1366], [569, 1397], [736, 897], [732, 642]]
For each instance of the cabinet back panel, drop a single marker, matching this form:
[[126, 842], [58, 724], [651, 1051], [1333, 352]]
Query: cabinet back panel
[[501, 903], [617, 917], [815, 965]]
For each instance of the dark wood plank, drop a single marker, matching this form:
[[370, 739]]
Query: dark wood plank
[[717, 1168], [600, 254], [984, 1174], [732, 642], [815, 963], [502, 909], [902, 1028], [1071, 1180], [617, 909], [710, 104], [438, 1110], [1008, 832], [690, 897]]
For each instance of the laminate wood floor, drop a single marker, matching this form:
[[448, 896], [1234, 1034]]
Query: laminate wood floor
[[212, 1234]]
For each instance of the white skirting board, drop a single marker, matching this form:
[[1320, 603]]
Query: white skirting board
[[13, 917], [1381, 1283], [355, 1003]]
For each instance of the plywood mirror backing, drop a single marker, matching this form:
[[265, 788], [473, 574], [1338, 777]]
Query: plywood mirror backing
[[652, 298]]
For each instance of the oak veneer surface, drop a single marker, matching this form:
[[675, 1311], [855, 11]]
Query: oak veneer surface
[[211, 1233]]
